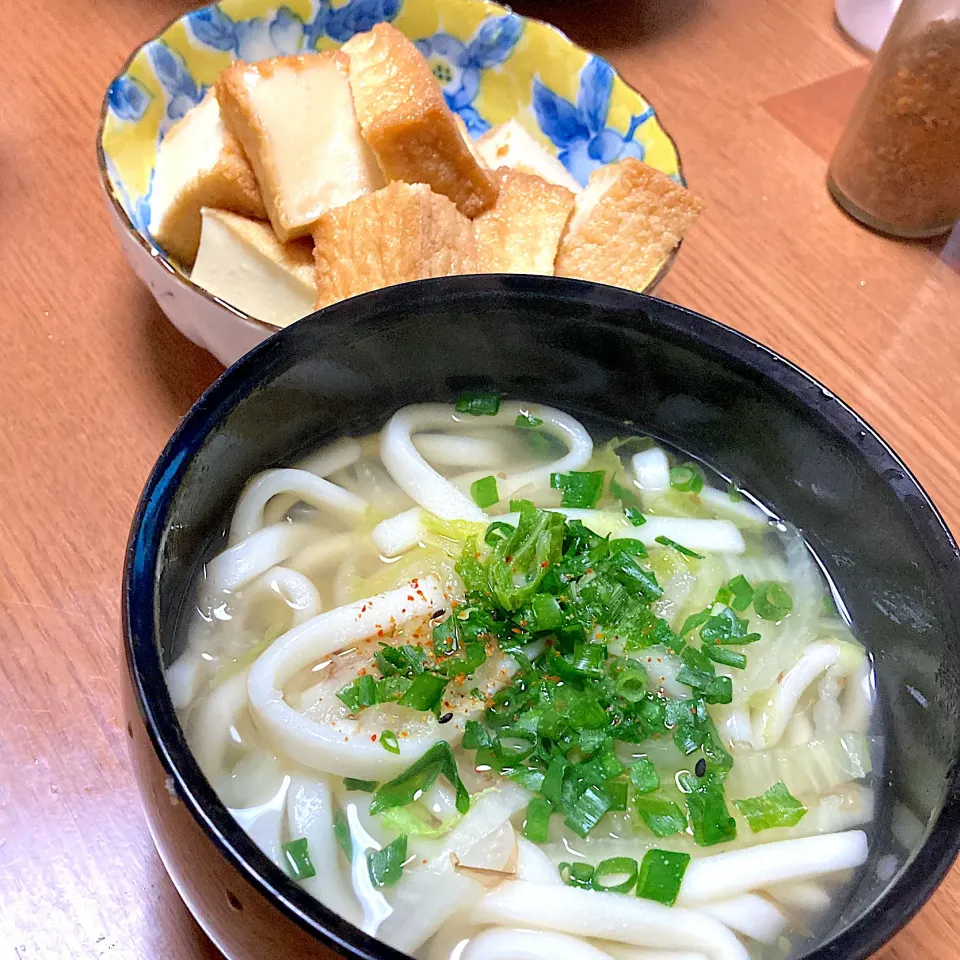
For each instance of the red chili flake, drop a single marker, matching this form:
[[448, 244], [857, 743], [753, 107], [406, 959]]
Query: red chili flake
[[780, 677], [409, 597], [507, 559], [545, 564], [373, 737], [379, 633]]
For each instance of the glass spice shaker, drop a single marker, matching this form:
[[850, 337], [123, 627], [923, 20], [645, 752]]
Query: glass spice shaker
[[897, 166]]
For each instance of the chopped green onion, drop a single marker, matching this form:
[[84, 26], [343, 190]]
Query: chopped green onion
[[630, 503], [729, 658], [644, 776], [406, 660], [616, 875], [425, 693], [478, 404], [528, 778], [775, 807], [617, 791], [663, 817], [553, 780], [771, 601], [589, 658], [546, 612], [579, 489], [514, 744], [694, 621], [577, 875], [742, 593], [733, 493], [685, 551], [367, 786], [389, 742], [386, 866], [359, 693], [632, 684], [526, 421], [445, 639], [724, 596], [726, 627], [341, 832], [661, 873], [634, 548], [420, 777], [686, 478], [484, 492], [296, 857], [475, 736], [718, 690], [536, 827], [709, 817], [585, 814]]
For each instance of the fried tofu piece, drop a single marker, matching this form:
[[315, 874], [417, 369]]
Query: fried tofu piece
[[241, 261], [521, 232], [296, 121], [509, 145], [199, 164], [407, 122], [403, 232], [626, 223]]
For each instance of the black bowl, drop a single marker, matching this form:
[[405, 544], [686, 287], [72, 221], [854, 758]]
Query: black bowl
[[613, 356]]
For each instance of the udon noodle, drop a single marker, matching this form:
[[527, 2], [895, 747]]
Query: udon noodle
[[489, 691]]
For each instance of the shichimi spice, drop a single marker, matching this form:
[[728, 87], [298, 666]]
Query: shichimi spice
[[899, 159]]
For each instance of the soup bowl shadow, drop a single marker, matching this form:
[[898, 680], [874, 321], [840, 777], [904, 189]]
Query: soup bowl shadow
[[618, 359]]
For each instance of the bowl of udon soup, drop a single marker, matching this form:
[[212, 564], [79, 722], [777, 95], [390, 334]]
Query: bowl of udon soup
[[498, 617]]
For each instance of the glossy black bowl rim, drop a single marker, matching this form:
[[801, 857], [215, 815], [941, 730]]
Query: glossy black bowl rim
[[899, 903]]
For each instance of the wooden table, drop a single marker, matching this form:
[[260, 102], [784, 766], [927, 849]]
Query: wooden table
[[93, 380]]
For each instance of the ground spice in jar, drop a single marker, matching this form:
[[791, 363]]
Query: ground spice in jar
[[899, 160]]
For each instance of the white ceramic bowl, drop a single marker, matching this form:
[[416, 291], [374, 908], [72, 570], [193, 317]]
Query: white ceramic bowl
[[493, 66]]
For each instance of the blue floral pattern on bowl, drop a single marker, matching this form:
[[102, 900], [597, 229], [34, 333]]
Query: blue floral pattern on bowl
[[258, 38], [457, 66], [128, 98], [580, 132], [181, 90]]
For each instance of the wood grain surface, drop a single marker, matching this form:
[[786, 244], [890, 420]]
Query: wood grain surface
[[93, 380]]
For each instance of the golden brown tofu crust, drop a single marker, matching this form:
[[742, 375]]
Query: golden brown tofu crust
[[631, 231], [243, 121], [406, 121], [521, 232], [229, 185], [400, 233]]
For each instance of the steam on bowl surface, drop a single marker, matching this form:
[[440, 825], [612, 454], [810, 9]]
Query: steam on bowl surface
[[616, 361]]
